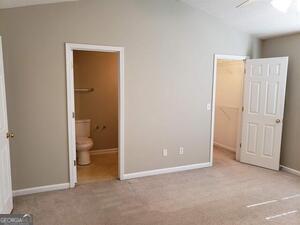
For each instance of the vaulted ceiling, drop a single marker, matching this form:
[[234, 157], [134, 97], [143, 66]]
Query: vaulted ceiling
[[258, 18]]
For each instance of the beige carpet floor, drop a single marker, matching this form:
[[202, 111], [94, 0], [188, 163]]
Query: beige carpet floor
[[103, 167], [211, 196]]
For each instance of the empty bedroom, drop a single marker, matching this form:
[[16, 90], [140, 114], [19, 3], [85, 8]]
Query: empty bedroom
[[149, 112]]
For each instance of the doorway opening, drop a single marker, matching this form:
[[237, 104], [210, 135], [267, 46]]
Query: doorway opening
[[252, 103], [95, 86], [96, 115], [227, 107]]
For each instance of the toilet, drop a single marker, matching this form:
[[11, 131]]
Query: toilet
[[83, 141]]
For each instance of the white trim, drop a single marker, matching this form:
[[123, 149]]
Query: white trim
[[213, 101], [225, 147], [230, 57], [103, 151], [166, 170], [290, 170], [121, 144], [71, 120], [71, 105], [28, 191]]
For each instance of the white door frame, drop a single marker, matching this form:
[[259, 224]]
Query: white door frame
[[213, 104], [70, 47]]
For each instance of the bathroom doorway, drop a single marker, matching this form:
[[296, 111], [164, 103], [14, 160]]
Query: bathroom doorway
[[95, 107], [227, 108]]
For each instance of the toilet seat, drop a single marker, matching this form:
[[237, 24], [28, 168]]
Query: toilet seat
[[83, 140], [84, 144]]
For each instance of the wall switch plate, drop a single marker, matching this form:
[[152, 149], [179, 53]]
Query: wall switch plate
[[181, 151], [208, 107], [165, 152]]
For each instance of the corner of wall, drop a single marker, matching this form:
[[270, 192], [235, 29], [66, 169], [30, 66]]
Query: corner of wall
[[256, 47]]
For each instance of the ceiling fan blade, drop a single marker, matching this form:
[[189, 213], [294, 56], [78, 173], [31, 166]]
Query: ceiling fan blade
[[245, 3]]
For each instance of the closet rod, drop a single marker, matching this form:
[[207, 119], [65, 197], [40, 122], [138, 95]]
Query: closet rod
[[84, 89]]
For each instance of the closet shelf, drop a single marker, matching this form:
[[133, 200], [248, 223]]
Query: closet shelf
[[84, 89]]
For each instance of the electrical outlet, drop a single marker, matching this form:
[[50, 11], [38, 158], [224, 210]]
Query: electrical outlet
[[181, 151], [165, 152]]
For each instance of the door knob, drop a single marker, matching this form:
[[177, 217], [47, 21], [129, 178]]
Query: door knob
[[278, 121], [10, 135]]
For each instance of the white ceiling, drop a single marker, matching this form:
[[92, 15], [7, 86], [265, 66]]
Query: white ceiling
[[259, 18], [4, 4]]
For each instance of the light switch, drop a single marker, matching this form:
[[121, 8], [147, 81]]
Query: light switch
[[208, 107]]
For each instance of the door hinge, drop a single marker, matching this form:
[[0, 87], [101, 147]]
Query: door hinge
[[73, 114], [243, 108], [10, 135], [240, 145], [75, 162]]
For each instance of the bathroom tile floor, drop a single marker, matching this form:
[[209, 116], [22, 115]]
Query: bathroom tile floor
[[103, 167]]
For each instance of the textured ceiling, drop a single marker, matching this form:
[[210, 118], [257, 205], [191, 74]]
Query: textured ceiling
[[259, 18]]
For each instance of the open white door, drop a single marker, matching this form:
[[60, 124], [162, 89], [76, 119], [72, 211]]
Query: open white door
[[6, 203], [264, 98]]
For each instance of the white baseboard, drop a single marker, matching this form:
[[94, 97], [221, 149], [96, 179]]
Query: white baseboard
[[290, 170], [225, 147], [28, 191], [103, 151], [166, 170]]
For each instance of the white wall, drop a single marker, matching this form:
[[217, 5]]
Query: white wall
[[229, 94]]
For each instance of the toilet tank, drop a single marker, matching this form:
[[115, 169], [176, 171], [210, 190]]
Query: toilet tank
[[83, 128]]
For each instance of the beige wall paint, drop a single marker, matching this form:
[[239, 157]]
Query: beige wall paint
[[169, 48], [229, 94], [289, 46], [98, 70]]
